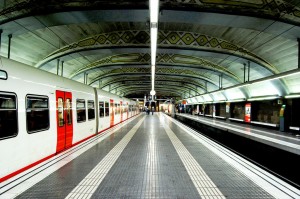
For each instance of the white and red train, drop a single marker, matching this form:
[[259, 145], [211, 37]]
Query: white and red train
[[42, 114]]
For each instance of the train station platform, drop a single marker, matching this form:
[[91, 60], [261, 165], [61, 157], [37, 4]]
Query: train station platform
[[282, 140], [147, 156]]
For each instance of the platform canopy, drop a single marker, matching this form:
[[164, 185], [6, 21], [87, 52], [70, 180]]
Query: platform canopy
[[215, 48]]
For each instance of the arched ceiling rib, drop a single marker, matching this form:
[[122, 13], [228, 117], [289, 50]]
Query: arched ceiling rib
[[178, 85], [160, 71], [163, 60], [166, 39], [159, 80]]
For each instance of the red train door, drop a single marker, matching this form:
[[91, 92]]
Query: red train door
[[112, 113], [64, 120]]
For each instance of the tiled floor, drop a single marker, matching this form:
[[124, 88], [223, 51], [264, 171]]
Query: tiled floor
[[153, 157]]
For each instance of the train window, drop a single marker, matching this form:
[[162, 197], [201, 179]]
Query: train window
[[91, 110], [111, 108], [106, 109], [101, 109], [69, 111], [3, 74], [8, 115], [119, 108], [81, 112], [116, 109], [37, 113], [60, 109]]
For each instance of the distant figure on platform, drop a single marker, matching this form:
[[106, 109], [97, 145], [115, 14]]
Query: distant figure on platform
[[148, 111], [152, 110]]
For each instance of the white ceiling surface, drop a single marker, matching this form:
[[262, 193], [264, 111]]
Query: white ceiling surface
[[276, 42]]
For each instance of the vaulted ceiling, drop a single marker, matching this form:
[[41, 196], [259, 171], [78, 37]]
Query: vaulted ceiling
[[202, 44]]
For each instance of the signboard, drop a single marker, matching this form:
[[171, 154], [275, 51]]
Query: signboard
[[248, 112]]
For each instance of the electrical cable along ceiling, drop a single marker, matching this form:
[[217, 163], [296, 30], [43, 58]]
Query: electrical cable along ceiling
[[204, 47]]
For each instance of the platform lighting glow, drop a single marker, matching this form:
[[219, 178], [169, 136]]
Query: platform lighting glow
[[237, 100], [263, 98], [287, 75], [154, 5], [292, 96]]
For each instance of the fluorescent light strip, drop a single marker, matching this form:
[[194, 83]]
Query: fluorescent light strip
[[152, 76], [153, 32], [154, 7]]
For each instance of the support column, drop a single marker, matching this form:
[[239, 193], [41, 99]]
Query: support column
[[244, 72], [9, 44], [86, 79], [62, 68], [1, 31], [206, 87], [248, 71], [84, 76], [57, 67], [298, 52], [221, 81]]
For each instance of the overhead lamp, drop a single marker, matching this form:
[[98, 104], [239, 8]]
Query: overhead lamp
[[152, 92], [154, 7], [263, 98]]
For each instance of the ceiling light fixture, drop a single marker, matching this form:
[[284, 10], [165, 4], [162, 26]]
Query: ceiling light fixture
[[153, 32], [154, 8]]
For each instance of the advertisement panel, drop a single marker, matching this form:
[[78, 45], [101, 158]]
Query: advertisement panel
[[248, 112]]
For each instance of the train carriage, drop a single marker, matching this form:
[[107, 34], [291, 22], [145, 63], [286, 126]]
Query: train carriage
[[42, 114]]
